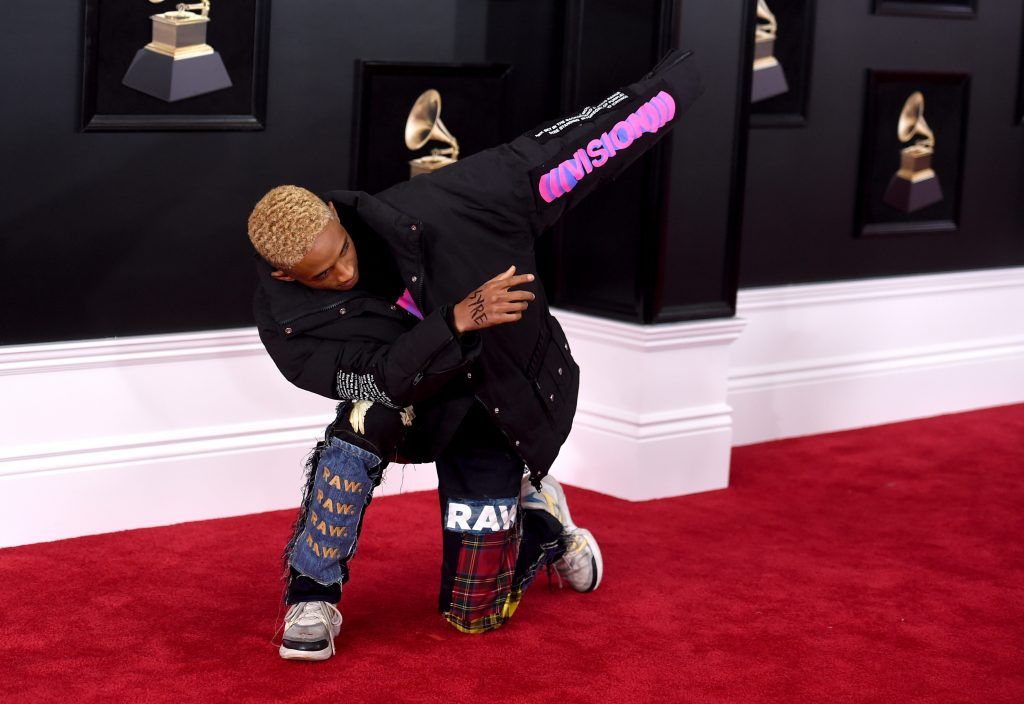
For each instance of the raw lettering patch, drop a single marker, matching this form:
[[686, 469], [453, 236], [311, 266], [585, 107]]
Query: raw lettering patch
[[340, 492], [480, 516]]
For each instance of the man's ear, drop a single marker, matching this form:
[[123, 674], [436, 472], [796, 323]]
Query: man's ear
[[335, 212], [281, 276]]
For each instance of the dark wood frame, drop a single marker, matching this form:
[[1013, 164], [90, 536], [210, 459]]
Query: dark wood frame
[[867, 156], [793, 119], [254, 120], [964, 10], [367, 70]]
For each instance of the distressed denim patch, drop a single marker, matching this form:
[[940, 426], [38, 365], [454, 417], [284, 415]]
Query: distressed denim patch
[[341, 489], [480, 516]]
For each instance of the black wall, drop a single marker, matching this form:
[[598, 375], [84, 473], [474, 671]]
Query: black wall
[[121, 233], [801, 187]]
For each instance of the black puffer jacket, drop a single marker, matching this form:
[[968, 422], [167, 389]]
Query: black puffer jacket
[[442, 235]]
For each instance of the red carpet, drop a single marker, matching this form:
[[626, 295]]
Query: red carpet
[[879, 565]]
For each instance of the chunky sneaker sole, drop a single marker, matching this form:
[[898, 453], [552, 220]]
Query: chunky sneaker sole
[[297, 653], [310, 630]]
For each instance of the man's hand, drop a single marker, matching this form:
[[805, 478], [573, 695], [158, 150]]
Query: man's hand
[[493, 303]]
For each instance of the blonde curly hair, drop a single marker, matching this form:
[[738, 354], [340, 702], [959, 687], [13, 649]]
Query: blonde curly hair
[[284, 224]]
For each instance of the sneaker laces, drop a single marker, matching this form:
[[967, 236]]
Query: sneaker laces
[[320, 611], [575, 544]]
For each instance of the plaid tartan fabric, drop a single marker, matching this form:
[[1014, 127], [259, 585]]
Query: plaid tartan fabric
[[485, 591], [483, 596]]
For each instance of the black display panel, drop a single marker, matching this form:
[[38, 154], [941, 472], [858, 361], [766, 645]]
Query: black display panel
[[472, 99], [804, 213], [794, 52], [912, 153], [115, 36]]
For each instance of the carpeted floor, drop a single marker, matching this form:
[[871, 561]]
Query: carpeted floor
[[879, 565]]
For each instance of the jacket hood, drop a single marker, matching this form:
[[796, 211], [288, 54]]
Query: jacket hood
[[288, 300]]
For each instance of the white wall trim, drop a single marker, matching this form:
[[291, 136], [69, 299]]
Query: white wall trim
[[649, 338], [834, 356], [122, 433], [142, 349], [657, 425], [889, 287], [181, 444], [844, 367]]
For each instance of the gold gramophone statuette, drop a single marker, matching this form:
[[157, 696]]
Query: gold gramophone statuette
[[424, 124], [769, 79], [178, 63], [916, 184]]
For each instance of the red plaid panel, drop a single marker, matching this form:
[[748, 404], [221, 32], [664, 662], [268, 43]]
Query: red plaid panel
[[482, 594]]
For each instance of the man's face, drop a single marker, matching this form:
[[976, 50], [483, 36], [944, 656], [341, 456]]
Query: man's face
[[331, 264]]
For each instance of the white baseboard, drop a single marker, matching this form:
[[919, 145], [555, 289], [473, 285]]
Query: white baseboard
[[835, 356], [122, 433], [105, 435]]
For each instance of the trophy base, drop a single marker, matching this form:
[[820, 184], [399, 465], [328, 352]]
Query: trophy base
[[768, 82], [427, 164], [160, 76], [910, 196]]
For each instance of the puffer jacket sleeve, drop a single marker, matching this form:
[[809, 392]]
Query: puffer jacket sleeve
[[414, 366], [521, 188]]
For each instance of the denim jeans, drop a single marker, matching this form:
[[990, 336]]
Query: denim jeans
[[343, 483]]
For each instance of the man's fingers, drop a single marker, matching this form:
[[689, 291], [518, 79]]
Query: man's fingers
[[510, 306], [513, 279], [505, 274], [520, 279], [505, 283]]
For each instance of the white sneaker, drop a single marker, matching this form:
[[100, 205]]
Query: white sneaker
[[309, 631], [581, 565]]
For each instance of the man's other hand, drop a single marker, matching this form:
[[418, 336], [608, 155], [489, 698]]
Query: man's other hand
[[494, 303]]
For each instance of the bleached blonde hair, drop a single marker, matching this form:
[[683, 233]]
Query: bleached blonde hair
[[284, 224]]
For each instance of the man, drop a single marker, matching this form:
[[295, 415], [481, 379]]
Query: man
[[436, 356]]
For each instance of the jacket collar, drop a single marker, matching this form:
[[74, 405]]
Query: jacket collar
[[289, 300]]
